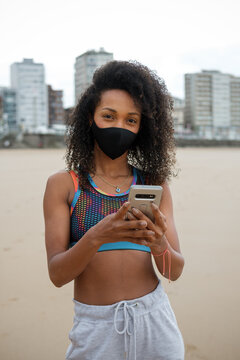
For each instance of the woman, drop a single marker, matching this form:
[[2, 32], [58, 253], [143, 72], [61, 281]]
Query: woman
[[121, 133]]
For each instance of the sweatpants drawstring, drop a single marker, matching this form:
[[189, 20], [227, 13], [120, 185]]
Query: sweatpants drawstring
[[127, 310]]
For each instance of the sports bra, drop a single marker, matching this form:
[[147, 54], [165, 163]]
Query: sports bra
[[90, 205]]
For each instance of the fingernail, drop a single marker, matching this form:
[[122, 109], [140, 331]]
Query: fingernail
[[143, 223], [151, 233], [135, 211], [126, 204], [154, 206]]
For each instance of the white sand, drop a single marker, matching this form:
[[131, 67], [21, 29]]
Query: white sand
[[36, 317]]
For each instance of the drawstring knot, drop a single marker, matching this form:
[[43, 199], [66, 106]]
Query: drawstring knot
[[128, 313]]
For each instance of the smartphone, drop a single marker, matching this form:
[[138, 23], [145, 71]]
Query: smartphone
[[141, 197]]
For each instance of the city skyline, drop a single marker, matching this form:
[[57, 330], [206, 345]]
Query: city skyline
[[211, 107], [172, 38], [71, 102]]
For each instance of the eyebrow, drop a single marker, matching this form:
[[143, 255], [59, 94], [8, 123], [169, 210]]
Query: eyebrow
[[130, 113]]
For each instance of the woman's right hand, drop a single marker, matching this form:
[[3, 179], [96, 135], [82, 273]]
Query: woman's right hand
[[115, 227]]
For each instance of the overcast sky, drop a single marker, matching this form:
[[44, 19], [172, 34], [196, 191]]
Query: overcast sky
[[172, 37]]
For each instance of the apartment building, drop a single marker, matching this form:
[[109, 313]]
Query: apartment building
[[28, 78], [235, 101], [85, 66], [178, 114], [55, 107], [212, 103], [8, 110]]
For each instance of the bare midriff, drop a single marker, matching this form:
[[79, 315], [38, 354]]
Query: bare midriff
[[115, 275]]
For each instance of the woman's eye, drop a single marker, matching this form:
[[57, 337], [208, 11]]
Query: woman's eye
[[132, 121], [108, 116]]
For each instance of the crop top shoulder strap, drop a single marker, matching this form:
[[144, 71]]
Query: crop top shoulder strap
[[76, 188]]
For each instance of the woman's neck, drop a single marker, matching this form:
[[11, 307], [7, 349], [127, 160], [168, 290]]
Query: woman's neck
[[105, 166]]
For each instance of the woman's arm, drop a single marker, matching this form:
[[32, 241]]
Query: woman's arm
[[166, 236], [170, 239], [65, 264]]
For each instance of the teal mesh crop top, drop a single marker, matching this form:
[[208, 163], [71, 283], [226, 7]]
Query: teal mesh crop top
[[91, 205]]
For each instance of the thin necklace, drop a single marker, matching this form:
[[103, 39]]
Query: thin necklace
[[117, 187]]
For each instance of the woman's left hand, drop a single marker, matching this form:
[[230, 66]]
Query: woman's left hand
[[159, 227]]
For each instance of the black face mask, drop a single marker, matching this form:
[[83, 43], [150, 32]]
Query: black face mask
[[113, 141]]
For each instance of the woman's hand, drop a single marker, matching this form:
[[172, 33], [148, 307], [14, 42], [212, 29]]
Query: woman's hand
[[114, 227], [159, 228]]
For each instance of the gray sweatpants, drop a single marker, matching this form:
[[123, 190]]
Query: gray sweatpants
[[144, 329]]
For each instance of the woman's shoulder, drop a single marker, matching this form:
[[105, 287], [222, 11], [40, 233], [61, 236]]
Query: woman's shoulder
[[60, 183], [59, 177]]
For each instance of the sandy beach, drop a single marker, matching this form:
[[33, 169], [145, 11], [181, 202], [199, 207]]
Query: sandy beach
[[36, 320]]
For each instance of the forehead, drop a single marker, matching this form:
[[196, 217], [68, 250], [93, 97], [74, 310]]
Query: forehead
[[118, 99]]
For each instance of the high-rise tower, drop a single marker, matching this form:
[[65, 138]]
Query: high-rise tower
[[28, 78], [212, 102], [85, 66]]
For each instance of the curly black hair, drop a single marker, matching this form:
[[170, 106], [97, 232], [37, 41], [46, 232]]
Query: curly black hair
[[154, 149]]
